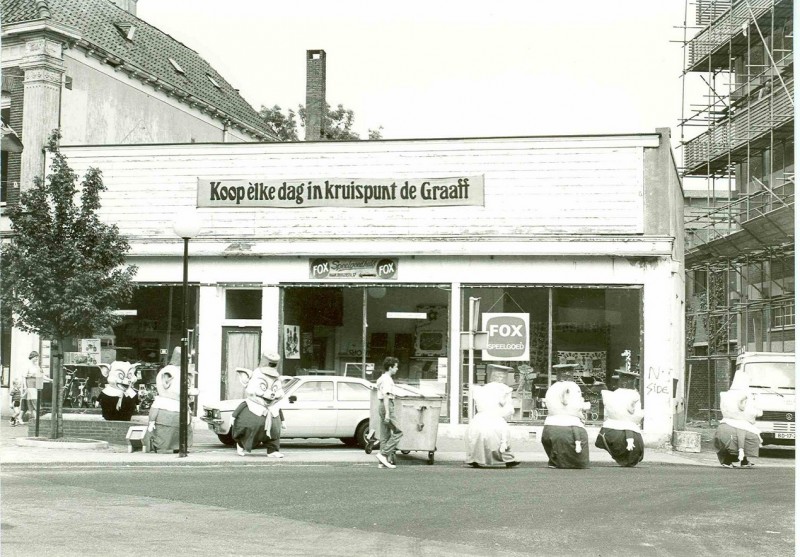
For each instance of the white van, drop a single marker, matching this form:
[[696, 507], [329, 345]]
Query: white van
[[770, 376]]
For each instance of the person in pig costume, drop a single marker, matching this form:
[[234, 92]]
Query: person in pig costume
[[118, 400], [620, 434], [488, 433], [163, 428], [737, 436], [564, 437], [257, 420]]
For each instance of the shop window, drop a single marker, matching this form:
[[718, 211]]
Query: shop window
[[531, 329], [344, 327], [243, 304], [152, 328], [5, 344]]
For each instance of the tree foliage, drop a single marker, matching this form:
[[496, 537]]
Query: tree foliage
[[284, 126], [339, 123], [64, 271]]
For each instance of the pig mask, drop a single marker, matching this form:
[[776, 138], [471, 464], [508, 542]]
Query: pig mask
[[168, 383], [564, 398], [623, 405], [739, 404], [260, 388], [121, 377]]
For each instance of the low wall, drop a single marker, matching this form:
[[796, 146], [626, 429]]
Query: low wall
[[89, 425]]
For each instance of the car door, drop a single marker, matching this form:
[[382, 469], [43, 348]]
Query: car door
[[309, 409], [352, 406]]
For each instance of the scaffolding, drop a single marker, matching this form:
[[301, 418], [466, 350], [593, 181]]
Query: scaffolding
[[738, 166]]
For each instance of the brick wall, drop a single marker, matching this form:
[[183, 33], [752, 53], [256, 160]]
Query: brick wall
[[88, 426], [316, 106], [699, 390]]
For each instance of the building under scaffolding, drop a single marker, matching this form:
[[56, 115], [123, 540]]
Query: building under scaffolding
[[738, 159]]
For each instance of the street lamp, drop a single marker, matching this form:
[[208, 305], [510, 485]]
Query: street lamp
[[185, 226]]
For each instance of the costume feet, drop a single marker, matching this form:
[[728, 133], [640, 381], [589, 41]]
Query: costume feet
[[276, 454]]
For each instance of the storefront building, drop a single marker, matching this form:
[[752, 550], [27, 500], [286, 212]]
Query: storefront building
[[339, 254]]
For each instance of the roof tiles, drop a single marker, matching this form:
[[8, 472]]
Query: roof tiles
[[149, 51]]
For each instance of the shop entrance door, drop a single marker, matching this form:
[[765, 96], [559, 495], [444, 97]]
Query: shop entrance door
[[241, 347]]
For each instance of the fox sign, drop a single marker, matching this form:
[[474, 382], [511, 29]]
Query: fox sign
[[508, 336]]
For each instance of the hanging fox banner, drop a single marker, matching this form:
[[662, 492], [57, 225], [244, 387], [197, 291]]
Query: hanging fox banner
[[509, 338]]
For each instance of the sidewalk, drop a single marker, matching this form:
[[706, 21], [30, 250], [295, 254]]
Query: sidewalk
[[19, 450]]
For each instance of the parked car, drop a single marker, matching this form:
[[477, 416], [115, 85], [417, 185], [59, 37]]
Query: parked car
[[314, 406]]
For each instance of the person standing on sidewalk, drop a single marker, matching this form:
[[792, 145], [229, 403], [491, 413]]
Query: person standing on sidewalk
[[31, 375], [16, 401], [389, 425]]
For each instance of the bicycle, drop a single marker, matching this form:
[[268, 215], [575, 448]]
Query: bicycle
[[75, 391]]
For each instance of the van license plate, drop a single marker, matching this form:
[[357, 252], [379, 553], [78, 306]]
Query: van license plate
[[784, 436]]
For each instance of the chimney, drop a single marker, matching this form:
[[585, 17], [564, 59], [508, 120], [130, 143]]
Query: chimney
[[127, 5], [316, 106]]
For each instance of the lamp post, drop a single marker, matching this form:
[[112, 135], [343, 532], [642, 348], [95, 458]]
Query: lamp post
[[186, 226]]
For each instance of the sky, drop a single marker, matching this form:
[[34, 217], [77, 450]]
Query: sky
[[441, 68]]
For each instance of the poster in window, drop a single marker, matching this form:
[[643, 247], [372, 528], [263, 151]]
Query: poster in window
[[291, 342]]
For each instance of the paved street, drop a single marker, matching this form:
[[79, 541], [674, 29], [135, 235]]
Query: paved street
[[325, 499], [357, 509]]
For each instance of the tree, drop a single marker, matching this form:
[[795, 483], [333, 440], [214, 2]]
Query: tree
[[64, 271], [285, 127], [339, 123]]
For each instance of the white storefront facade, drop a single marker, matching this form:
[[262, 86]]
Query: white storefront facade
[[573, 245]]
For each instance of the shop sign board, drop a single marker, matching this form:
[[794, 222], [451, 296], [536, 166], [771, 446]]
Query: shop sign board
[[353, 267], [340, 192], [508, 337]]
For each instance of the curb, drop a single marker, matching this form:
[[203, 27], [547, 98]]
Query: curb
[[84, 444]]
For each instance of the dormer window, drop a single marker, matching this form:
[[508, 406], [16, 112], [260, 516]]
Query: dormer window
[[213, 81], [125, 29], [177, 66]]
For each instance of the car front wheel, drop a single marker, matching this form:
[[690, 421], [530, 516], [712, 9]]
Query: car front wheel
[[226, 439], [361, 434]]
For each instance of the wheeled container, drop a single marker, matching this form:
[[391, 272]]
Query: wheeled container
[[418, 415]]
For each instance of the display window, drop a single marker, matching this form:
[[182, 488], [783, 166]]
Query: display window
[[350, 329], [532, 328], [150, 329]]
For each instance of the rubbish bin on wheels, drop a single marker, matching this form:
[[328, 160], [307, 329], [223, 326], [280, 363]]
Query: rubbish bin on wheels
[[418, 415]]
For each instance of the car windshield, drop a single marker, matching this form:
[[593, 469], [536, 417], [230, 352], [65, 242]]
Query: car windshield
[[775, 375], [287, 382]]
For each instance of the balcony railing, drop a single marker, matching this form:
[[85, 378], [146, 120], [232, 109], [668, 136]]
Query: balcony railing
[[772, 111]]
